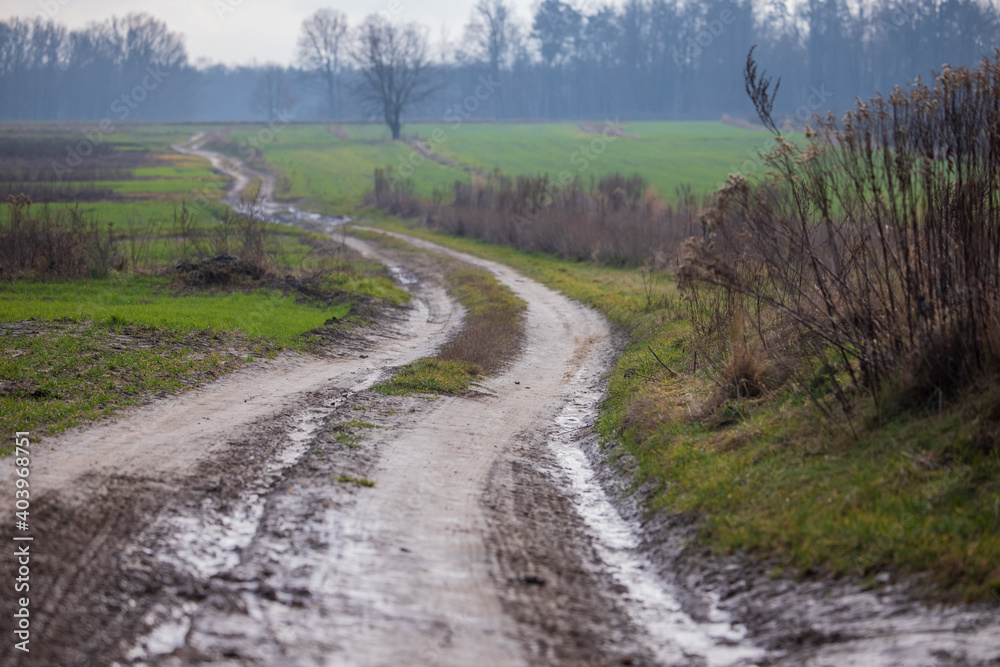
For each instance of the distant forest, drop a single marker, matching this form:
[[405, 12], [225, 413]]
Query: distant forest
[[642, 60]]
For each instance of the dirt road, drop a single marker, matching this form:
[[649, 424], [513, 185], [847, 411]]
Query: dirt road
[[238, 524], [287, 515]]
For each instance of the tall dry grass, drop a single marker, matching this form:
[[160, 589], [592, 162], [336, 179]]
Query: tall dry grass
[[617, 219], [37, 241], [877, 242]]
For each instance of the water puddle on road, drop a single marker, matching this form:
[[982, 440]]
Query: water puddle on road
[[675, 638], [209, 539], [402, 276]]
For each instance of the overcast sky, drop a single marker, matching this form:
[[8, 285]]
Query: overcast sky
[[240, 31]]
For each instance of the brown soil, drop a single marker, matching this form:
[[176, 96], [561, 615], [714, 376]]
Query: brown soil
[[607, 129]]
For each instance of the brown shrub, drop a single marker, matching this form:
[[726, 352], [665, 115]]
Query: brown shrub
[[61, 243], [880, 238]]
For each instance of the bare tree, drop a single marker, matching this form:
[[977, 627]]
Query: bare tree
[[322, 47], [272, 95], [394, 66], [493, 30]]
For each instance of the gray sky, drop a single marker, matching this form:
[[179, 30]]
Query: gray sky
[[240, 31]]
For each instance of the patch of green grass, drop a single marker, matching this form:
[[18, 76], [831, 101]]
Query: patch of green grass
[[54, 376], [377, 287], [359, 481], [489, 338], [433, 376], [153, 302], [347, 439]]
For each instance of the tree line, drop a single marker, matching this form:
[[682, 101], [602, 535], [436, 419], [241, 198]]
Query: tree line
[[642, 59]]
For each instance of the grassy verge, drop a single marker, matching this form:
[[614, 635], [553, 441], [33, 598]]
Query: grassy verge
[[490, 335], [56, 375], [773, 477]]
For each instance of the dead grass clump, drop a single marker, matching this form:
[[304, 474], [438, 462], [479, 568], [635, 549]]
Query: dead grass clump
[[493, 330], [241, 244], [746, 373], [394, 194], [618, 220], [43, 243], [653, 406], [221, 271]]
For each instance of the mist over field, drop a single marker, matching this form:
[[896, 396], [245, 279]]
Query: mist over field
[[637, 60]]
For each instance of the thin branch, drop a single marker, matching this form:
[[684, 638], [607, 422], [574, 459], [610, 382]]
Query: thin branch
[[672, 373]]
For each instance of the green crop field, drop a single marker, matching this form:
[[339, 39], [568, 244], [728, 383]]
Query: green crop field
[[331, 167], [151, 302], [697, 154]]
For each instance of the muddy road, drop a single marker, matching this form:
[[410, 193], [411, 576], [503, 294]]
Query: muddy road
[[288, 515]]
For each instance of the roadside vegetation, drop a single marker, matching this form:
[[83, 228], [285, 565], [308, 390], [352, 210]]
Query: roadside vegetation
[[816, 378], [489, 338], [59, 373]]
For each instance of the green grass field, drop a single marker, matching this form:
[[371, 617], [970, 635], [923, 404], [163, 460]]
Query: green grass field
[[153, 302], [333, 174], [668, 155]]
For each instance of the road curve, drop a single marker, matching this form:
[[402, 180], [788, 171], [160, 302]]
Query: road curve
[[152, 524]]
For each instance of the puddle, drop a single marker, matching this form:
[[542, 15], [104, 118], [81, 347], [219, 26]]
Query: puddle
[[290, 215], [673, 636], [208, 540], [168, 635], [401, 276]]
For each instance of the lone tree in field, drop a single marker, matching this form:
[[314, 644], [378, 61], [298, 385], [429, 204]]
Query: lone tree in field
[[395, 69], [322, 47]]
